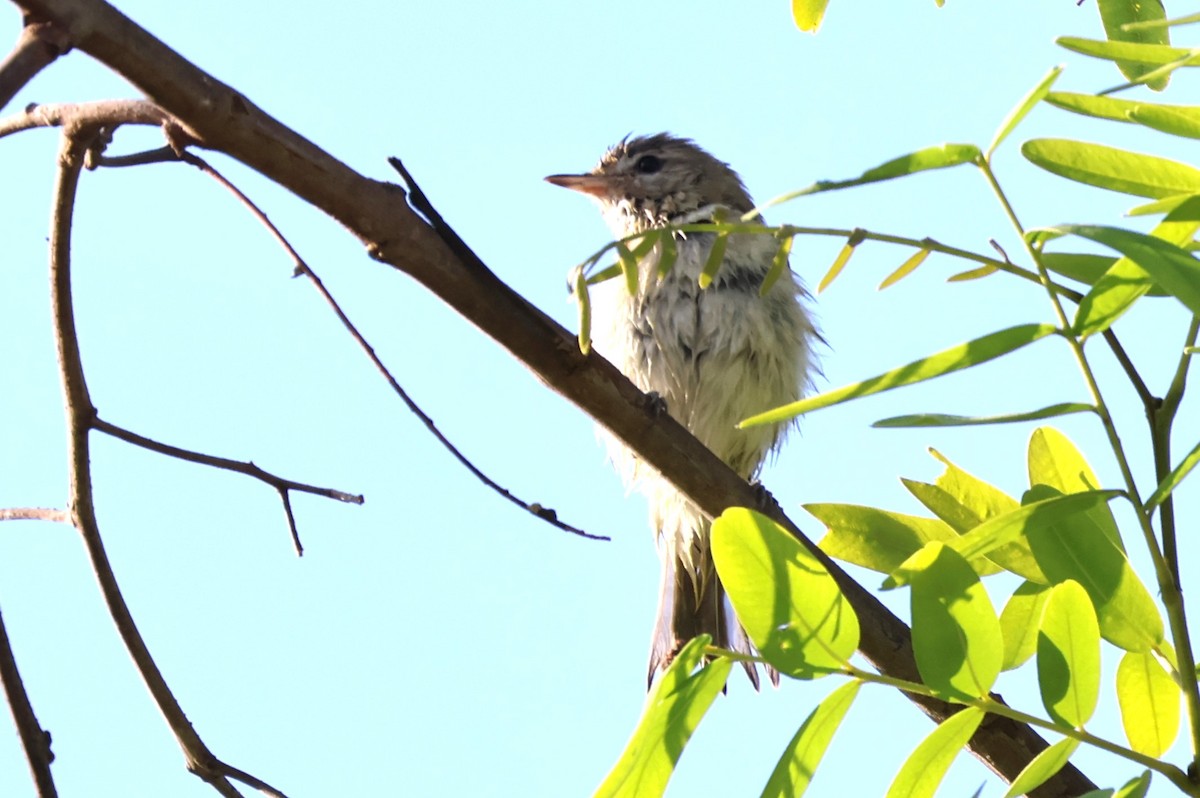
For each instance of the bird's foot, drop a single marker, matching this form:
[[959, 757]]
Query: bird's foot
[[764, 500], [655, 405]]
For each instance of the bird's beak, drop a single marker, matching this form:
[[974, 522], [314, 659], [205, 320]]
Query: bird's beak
[[598, 186]]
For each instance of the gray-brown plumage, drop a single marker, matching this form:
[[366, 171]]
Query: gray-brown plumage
[[714, 355]]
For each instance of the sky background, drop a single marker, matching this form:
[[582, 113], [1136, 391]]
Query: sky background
[[437, 641]]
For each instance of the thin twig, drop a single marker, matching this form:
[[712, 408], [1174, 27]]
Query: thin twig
[[282, 485], [302, 268], [38, 45], [34, 514], [34, 739], [81, 414]]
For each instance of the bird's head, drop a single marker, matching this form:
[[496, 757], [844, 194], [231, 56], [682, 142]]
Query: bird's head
[[652, 181]]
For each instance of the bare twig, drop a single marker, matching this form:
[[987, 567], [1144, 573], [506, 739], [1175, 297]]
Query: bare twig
[[34, 739], [282, 485], [81, 414], [38, 45], [302, 268], [90, 115], [34, 514]]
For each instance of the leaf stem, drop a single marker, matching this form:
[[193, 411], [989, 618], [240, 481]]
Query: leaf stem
[[989, 704]]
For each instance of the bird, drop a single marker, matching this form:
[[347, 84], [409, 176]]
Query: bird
[[713, 355]]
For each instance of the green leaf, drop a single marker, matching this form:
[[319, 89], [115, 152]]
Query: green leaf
[[808, 14], [1187, 19], [839, 262], [1149, 700], [1019, 623], [1053, 460], [1117, 15], [943, 420], [1126, 281], [1170, 266], [1148, 54], [674, 709], [955, 632], [973, 274], [716, 256], [1165, 205], [1065, 550], [796, 767], [878, 539], [779, 265], [908, 267], [1172, 480], [1087, 268], [950, 360], [629, 267], [1068, 655], [964, 501], [941, 156], [1026, 521], [585, 312], [1113, 169], [926, 766], [1183, 122], [1042, 767], [668, 254], [1135, 788], [790, 606], [1092, 105], [1023, 108]]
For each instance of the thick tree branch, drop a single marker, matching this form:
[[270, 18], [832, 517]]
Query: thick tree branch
[[219, 117], [37, 46]]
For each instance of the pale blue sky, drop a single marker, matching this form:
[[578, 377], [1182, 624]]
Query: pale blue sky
[[437, 641]]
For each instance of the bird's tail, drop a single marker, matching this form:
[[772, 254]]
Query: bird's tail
[[692, 602]]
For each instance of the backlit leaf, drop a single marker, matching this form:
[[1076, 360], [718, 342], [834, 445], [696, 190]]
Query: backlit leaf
[[674, 708], [943, 420], [796, 767], [950, 360], [1053, 460], [791, 607], [926, 766], [955, 632], [1023, 108], [1019, 623], [808, 14], [1068, 655], [1113, 169], [1149, 700], [1042, 767]]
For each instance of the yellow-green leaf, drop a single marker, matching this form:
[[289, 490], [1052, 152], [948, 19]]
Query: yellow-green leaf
[[906, 268], [1068, 655], [1053, 460], [585, 312], [1183, 122], [926, 766], [1019, 623], [944, 420], [956, 358], [796, 767], [1149, 700], [791, 607], [1131, 52], [1023, 108], [955, 632], [808, 14], [779, 265], [1113, 169], [878, 539], [1118, 15], [674, 708], [1042, 767], [1170, 266], [1172, 480], [1093, 105]]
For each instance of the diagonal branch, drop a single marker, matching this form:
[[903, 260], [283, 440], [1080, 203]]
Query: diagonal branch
[[219, 117], [38, 45]]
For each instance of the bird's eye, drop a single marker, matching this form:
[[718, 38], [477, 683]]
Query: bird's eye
[[648, 164]]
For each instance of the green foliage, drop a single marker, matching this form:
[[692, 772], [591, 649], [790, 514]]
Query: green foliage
[[1059, 542]]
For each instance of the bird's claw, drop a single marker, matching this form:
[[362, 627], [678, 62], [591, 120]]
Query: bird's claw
[[656, 406]]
